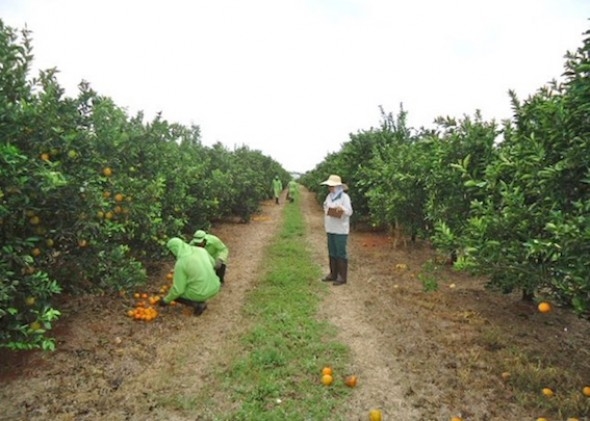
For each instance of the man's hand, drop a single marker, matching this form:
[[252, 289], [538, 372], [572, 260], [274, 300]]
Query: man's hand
[[218, 263], [162, 303]]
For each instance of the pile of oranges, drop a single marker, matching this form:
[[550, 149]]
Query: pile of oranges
[[328, 378], [144, 308]]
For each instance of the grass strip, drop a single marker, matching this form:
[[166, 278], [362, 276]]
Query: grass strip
[[277, 376]]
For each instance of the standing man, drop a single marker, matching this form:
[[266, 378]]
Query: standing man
[[337, 212], [216, 249], [277, 188]]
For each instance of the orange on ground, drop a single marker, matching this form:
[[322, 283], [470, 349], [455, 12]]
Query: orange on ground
[[547, 392], [544, 307], [327, 379], [586, 390], [375, 415], [328, 371], [351, 381]]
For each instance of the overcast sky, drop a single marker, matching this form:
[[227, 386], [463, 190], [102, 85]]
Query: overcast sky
[[292, 78]]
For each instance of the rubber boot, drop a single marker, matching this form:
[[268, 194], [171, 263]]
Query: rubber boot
[[342, 266], [200, 308], [333, 271]]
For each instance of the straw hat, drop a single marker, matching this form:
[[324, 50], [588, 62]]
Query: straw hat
[[333, 180]]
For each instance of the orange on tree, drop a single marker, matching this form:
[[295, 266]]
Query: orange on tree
[[36, 325], [544, 307], [45, 156], [119, 197], [107, 172], [36, 252], [35, 220]]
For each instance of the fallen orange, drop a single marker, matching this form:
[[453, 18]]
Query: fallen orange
[[351, 381], [375, 415], [327, 379], [544, 307]]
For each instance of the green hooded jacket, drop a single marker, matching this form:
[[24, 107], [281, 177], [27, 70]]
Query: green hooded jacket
[[216, 248], [277, 186], [293, 187], [194, 276]]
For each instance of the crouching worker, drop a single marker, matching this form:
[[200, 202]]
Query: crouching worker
[[216, 248], [194, 279]]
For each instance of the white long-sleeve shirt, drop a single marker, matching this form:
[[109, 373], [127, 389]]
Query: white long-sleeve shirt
[[340, 225]]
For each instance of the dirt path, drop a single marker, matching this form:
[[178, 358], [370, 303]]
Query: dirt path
[[350, 308]]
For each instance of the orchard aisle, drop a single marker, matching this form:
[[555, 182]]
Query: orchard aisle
[[348, 307]]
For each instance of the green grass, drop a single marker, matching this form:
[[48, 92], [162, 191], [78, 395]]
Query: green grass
[[276, 376]]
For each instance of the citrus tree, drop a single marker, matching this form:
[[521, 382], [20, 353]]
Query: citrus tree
[[90, 195]]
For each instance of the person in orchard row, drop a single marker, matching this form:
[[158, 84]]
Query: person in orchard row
[[216, 248], [194, 280], [337, 211]]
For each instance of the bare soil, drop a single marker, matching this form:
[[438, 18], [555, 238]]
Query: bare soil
[[418, 355]]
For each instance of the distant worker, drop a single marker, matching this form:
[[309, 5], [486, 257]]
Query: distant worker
[[216, 248], [194, 279], [292, 190], [277, 188]]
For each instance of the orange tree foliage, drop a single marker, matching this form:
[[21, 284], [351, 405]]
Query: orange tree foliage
[[509, 203], [88, 194]]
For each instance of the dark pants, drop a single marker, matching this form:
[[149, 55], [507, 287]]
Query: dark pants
[[220, 272], [337, 246], [188, 302]]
